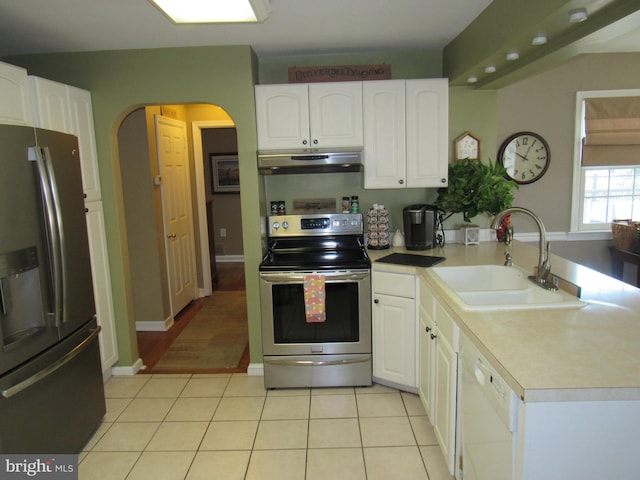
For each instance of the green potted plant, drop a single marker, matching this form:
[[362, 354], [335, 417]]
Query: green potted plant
[[475, 188]]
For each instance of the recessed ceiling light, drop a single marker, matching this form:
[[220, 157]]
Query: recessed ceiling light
[[511, 56], [578, 15], [490, 68], [472, 79], [214, 11], [539, 39]]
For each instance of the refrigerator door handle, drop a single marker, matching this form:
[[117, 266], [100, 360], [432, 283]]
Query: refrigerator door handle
[[53, 222], [45, 372]]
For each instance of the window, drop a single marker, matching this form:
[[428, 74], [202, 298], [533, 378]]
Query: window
[[607, 159]]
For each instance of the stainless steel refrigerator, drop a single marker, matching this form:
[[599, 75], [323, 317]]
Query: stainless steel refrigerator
[[51, 387]]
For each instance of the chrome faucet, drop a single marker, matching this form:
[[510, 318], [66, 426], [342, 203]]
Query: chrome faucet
[[544, 264]]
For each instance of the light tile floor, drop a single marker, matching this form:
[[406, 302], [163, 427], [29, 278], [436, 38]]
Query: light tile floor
[[228, 427]]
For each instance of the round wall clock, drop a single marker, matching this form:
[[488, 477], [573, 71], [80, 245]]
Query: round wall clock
[[467, 146], [526, 157]]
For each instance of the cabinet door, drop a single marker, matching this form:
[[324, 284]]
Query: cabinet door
[[446, 374], [427, 132], [383, 107], [14, 95], [282, 115], [394, 327], [50, 105], [426, 364], [102, 284], [335, 114], [81, 116]]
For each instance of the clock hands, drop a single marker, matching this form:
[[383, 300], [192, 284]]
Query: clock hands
[[529, 149], [526, 155]]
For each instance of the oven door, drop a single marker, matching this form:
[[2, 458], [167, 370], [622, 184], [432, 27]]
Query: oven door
[[347, 328]]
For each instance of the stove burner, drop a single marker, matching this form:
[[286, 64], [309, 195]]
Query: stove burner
[[316, 242]]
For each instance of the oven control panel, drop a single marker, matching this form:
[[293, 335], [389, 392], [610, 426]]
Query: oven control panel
[[315, 224]]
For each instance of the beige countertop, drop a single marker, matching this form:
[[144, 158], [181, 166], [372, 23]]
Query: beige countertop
[[591, 353]]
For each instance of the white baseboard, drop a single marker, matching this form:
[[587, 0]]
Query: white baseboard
[[229, 258], [128, 371], [155, 326], [256, 369]]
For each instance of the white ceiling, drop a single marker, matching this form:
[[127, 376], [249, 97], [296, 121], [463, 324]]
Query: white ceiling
[[295, 26]]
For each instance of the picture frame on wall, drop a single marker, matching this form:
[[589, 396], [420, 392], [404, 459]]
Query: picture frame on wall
[[225, 173]]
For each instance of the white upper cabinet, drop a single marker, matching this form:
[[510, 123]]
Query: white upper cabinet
[[68, 109], [427, 132], [384, 134], [406, 128], [322, 115], [14, 95]]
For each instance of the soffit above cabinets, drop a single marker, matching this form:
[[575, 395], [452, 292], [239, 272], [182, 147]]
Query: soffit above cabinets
[[472, 60]]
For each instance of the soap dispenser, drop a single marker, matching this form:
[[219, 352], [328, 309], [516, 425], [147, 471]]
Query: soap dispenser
[[398, 239]]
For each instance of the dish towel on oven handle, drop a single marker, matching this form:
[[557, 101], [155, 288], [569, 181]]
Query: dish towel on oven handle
[[314, 296]]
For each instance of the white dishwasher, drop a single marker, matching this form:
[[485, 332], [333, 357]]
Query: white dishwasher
[[489, 410]]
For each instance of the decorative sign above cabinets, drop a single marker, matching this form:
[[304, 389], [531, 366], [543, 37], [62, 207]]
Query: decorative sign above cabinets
[[339, 73]]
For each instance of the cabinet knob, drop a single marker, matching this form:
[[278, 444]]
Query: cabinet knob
[[401, 182], [433, 336], [315, 141], [304, 142], [443, 180], [427, 329], [376, 301]]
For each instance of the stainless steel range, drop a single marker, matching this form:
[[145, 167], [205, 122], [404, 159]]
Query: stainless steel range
[[333, 349]]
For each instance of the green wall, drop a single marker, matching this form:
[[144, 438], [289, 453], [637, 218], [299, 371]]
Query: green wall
[[121, 81], [404, 64]]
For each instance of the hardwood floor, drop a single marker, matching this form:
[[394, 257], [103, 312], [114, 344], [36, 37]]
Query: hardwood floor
[[230, 276], [153, 345]]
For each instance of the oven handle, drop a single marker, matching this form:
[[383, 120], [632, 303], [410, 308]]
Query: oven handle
[[316, 363], [299, 277]]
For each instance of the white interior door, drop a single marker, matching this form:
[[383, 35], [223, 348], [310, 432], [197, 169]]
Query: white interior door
[[173, 162]]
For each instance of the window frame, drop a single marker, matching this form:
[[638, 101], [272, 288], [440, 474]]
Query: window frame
[[577, 200]]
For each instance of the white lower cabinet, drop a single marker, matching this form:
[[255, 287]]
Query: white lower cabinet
[[427, 352], [439, 339], [394, 330], [102, 285]]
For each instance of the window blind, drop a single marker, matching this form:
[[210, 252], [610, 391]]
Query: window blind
[[612, 131]]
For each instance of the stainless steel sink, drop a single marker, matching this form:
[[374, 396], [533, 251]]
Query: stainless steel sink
[[496, 287]]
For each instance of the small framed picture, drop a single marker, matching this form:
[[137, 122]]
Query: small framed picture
[[225, 173]]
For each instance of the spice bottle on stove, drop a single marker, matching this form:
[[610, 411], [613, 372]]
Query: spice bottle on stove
[[355, 204], [346, 205]]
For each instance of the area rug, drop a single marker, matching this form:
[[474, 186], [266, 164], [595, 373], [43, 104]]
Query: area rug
[[216, 338]]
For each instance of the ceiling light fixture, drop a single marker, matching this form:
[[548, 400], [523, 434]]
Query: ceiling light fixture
[[490, 69], [472, 79], [511, 56], [214, 11], [578, 15], [539, 39]]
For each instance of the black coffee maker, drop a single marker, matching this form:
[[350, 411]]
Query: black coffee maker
[[420, 225]]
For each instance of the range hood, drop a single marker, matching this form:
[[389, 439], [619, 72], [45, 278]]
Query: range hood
[[336, 160]]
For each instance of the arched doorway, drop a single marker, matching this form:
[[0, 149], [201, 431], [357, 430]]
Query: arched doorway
[[141, 183]]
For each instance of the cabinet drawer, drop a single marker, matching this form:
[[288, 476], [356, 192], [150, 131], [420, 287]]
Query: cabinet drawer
[[447, 327], [396, 284]]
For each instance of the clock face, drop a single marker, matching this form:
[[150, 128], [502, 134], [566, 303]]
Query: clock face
[[525, 156], [467, 146]]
